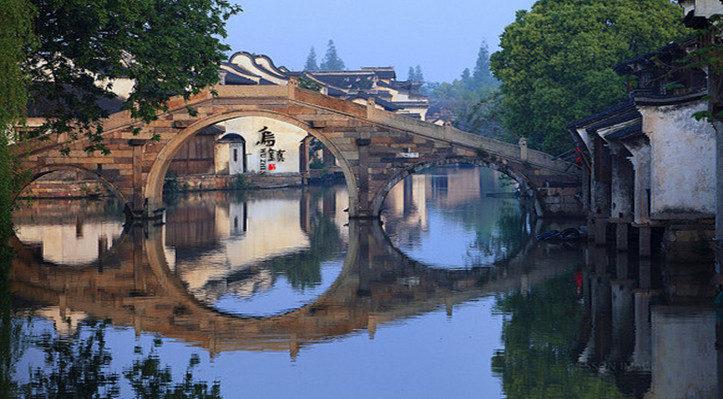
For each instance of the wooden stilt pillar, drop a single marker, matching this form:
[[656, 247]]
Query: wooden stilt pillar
[[621, 236], [644, 249], [599, 230]]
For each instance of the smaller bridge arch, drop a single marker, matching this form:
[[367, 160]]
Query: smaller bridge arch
[[399, 175], [40, 171]]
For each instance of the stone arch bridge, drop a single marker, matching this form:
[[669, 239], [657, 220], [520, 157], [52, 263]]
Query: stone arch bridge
[[374, 148]]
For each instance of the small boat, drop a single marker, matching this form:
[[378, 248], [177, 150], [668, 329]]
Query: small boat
[[569, 234]]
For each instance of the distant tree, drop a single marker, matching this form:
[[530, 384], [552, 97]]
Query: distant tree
[[331, 61], [311, 64], [485, 117], [556, 60], [466, 78], [482, 76], [470, 102], [419, 76], [415, 74]]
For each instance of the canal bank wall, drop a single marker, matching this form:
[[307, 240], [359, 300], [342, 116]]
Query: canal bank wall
[[69, 185]]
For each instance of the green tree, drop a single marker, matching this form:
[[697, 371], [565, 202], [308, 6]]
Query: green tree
[[331, 61], [311, 64], [466, 78], [556, 60], [485, 117], [16, 38], [466, 99], [708, 56], [165, 48]]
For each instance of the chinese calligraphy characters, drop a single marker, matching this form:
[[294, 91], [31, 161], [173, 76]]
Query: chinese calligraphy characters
[[268, 154]]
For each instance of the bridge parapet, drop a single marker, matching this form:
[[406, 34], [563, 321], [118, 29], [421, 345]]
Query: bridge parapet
[[497, 148]]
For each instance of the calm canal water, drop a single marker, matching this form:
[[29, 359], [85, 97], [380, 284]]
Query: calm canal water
[[269, 294]]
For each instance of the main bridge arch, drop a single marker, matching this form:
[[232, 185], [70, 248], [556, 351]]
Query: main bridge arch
[[373, 147], [154, 182]]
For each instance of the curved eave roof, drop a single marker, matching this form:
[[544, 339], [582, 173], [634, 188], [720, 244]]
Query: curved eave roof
[[259, 65]]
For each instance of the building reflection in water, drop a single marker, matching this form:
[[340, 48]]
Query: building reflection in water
[[69, 232], [657, 337]]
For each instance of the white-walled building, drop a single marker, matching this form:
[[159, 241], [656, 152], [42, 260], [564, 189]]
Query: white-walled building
[[652, 164]]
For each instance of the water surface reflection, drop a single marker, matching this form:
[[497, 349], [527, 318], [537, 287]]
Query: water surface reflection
[[456, 217], [239, 285], [69, 232], [258, 253]]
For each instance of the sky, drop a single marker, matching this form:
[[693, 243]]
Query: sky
[[442, 37]]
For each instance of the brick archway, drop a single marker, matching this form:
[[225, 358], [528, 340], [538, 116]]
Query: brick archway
[[157, 173]]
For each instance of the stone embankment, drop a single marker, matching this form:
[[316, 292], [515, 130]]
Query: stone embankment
[[68, 185]]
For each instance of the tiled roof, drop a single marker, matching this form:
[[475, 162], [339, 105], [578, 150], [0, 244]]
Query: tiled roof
[[235, 79], [627, 132], [342, 79], [386, 73], [625, 107]]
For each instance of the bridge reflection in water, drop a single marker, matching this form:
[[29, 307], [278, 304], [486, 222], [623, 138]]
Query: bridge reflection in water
[[376, 285], [624, 323], [230, 251]]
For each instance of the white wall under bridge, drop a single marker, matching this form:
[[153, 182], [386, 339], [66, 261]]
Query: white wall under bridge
[[272, 146]]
